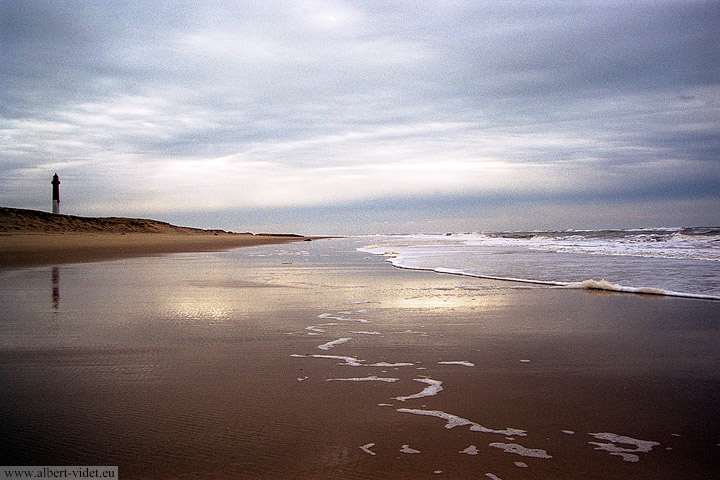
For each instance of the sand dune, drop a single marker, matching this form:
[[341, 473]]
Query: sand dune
[[30, 237]]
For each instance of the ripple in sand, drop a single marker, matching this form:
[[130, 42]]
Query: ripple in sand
[[371, 378], [627, 454], [520, 450], [455, 421], [329, 345], [407, 449], [433, 389]]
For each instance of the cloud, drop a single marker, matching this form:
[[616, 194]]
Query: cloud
[[188, 107]]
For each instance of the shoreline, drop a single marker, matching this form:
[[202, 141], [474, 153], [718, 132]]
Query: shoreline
[[19, 250]]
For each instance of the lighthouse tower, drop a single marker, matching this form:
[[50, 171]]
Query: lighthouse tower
[[56, 194]]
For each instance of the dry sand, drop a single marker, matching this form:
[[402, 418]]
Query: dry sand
[[30, 238]]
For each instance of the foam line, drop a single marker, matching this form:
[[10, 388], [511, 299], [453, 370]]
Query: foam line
[[643, 446], [613, 287], [455, 421], [452, 420], [366, 448], [471, 450], [407, 449], [351, 361], [464, 363], [386, 364], [433, 388], [329, 345], [627, 454], [371, 378], [395, 259], [342, 318], [520, 450]]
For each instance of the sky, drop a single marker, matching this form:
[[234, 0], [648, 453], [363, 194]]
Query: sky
[[340, 117]]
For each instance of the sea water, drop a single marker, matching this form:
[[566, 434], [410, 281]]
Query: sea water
[[666, 261]]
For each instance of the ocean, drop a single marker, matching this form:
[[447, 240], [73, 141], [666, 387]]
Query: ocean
[[663, 261]]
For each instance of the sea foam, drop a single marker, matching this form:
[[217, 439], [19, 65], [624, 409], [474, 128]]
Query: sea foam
[[627, 454], [455, 421], [520, 450], [329, 345], [371, 378], [462, 362], [435, 386]]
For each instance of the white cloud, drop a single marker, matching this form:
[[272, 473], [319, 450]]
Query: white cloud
[[236, 105]]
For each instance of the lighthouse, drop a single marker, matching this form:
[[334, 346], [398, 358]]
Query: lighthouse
[[56, 194]]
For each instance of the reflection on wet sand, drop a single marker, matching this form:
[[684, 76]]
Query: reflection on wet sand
[[56, 288]]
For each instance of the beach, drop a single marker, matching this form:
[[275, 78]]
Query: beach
[[29, 237], [315, 360]]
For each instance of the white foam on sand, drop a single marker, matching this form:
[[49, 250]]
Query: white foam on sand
[[422, 334], [386, 364], [520, 464], [407, 449], [368, 333], [471, 450], [455, 421], [342, 318], [627, 454], [613, 287], [569, 432], [371, 378], [462, 362], [492, 477], [366, 448], [351, 361], [433, 388], [520, 450], [329, 345]]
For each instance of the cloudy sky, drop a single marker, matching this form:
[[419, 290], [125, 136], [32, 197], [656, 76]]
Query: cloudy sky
[[364, 116]]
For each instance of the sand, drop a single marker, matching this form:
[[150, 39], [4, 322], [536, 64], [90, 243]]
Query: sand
[[230, 365], [30, 238]]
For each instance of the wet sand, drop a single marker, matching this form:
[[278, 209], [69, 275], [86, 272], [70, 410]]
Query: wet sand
[[308, 360]]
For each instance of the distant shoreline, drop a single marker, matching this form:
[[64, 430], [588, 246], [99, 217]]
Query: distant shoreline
[[34, 238]]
